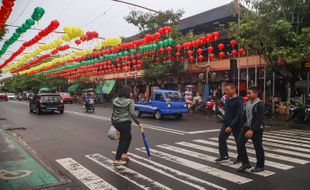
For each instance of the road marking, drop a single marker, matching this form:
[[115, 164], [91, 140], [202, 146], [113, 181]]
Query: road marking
[[200, 167], [267, 154], [89, 179], [204, 156], [294, 133], [129, 174], [289, 136], [287, 139], [203, 131], [252, 159], [298, 131], [280, 150], [283, 146], [161, 171], [181, 175], [286, 142]]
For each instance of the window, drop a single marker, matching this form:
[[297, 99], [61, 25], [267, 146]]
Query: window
[[173, 96], [50, 98], [159, 97]]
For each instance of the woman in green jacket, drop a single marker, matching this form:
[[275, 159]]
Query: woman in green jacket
[[123, 114]]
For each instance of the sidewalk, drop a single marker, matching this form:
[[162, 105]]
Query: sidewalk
[[18, 169]]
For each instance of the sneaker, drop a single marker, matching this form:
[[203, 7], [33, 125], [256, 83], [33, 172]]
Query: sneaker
[[257, 169], [222, 159], [244, 167]]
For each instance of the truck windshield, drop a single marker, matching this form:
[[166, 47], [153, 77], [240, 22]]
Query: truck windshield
[[173, 97]]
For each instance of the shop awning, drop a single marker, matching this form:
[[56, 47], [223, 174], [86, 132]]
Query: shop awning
[[73, 88], [107, 87]]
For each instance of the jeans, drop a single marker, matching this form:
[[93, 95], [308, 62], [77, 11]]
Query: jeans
[[223, 136], [125, 138], [257, 140]]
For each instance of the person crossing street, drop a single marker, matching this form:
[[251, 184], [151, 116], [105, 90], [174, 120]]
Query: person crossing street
[[233, 107], [253, 129]]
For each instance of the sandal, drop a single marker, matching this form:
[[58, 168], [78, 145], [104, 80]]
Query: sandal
[[125, 159]]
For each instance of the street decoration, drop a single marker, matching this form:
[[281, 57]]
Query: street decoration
[[43, 33], [5, 12], [36, 16]]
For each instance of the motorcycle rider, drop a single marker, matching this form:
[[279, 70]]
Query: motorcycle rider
[[87, 98]]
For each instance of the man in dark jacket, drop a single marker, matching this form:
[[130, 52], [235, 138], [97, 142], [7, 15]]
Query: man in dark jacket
[[232, 121], [253, 129]]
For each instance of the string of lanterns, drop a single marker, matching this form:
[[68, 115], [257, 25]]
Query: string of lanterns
[[5, 12], [36, 16]]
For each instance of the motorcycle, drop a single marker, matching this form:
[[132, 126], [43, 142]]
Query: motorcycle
[[89, 105], [198, 105], [218, 110], [299, 112]]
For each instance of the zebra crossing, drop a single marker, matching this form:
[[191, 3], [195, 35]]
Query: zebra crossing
[[192, 164]]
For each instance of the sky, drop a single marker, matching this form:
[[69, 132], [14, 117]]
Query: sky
[[104, 16]]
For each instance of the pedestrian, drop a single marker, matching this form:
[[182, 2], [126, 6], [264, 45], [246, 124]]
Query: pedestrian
[[122, 116], [232, 122], [253, 129]]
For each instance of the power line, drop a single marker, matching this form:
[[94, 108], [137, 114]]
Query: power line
[[22, 12], [93, 20]]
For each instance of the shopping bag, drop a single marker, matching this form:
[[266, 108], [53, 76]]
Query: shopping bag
[[113, 133]]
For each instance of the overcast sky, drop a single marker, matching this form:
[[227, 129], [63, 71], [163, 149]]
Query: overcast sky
[[104, 16]]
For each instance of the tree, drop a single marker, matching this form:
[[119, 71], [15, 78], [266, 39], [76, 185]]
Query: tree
[[279, 31]]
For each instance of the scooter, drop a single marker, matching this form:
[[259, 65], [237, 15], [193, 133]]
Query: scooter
[[299, 112], [89, 105]]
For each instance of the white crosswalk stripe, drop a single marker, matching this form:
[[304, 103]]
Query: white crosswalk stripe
[[252, 159], [174, 174], [267, 154], [279, 150], [287, 134], [286, 146], [89, 179], [200, 167], [281, 134], [130, 175], [205, 157]]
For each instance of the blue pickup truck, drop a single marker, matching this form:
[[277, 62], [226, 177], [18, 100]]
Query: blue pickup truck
[[163, 102]]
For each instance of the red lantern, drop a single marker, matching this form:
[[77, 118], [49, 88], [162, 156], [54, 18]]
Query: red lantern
[[177, 54], [216, 35], [77, 42], [199, 51], [161, 50], [158, 59], [161, 30], [210, 49], [234, 53], [242, 51], [233, 43], [200, 57], [209, 38], [54, 24], [169, 49], [189, 53], [220, 46], [153, 52], [145, 54], [156, 35], [211, 56], [191, 59], [178, 47], [221, 54]]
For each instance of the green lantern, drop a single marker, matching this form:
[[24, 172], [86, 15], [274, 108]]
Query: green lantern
[[30, 22], [161, 44], [170, 41]]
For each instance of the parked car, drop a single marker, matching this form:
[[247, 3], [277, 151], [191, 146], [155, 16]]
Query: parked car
[[4, 96], [46, 102], [162, 103], [66, 97], [12, 96]]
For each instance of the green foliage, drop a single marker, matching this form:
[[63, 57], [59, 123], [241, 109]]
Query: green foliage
[[150, 22], [270, 30], [19, 83]]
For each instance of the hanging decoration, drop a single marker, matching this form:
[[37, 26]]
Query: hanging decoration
[[37, 14], [5, 12], [43, 33]]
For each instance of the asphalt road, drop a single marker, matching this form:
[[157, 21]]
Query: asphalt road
[[183, 152]]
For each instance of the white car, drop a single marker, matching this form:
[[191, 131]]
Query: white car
[[12, 96]]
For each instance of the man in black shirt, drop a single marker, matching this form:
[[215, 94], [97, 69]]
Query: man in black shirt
[[233, 107], [253, 129]]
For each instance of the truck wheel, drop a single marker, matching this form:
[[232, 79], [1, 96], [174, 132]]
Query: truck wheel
[[158, 115], [178, 116]]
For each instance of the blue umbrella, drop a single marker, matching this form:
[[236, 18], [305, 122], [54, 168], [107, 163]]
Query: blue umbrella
[[147, 148]]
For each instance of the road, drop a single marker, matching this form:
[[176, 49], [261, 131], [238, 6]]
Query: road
[[183, 152]]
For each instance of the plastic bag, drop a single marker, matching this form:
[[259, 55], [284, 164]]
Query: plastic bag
[[113, 133]]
